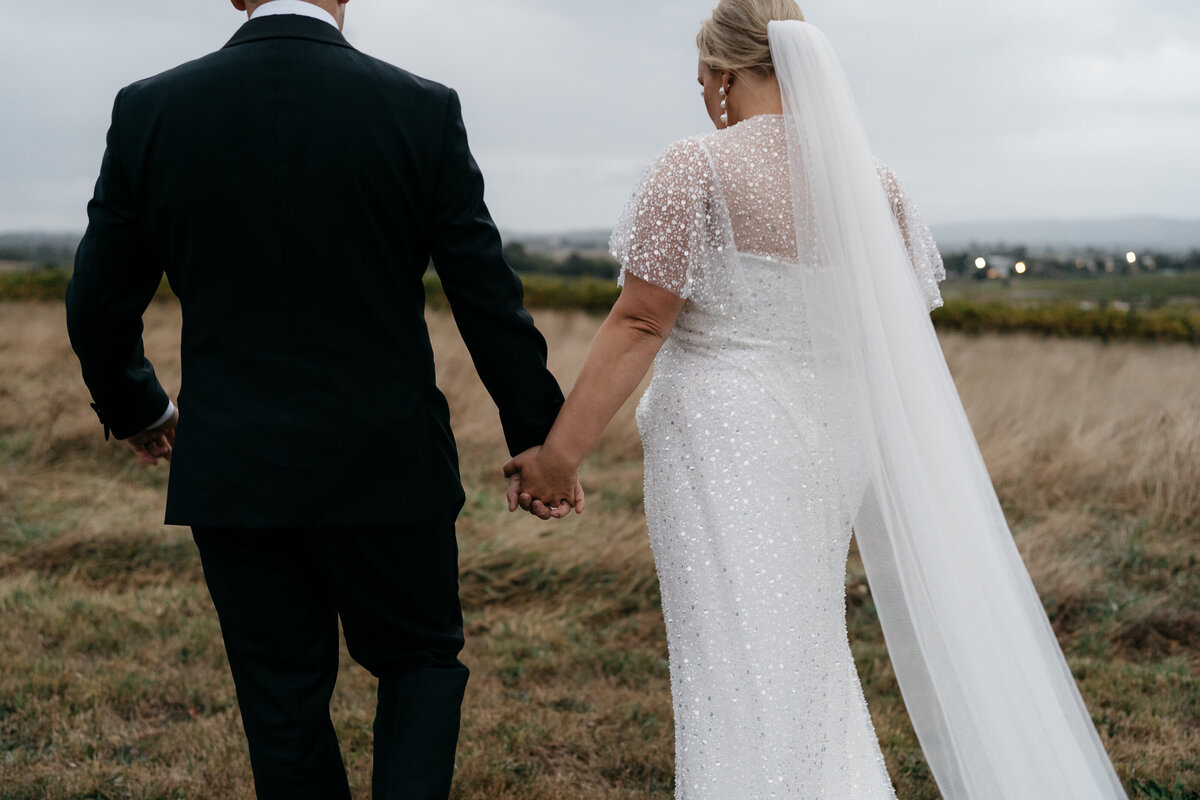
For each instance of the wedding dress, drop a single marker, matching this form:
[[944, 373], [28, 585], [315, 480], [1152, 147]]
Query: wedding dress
[[748, 534], [764, 445]]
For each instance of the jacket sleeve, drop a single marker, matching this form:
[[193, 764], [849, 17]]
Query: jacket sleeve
[[486, 296], [113, 283]]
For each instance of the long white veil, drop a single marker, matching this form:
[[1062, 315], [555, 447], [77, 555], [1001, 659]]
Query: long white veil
[[985, 683]]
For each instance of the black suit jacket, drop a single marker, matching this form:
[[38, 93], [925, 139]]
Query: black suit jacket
[[294, 191]]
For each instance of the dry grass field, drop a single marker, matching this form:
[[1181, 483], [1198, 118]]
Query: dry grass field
[[113, 681]]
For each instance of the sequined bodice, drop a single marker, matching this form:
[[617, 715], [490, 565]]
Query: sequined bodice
[[765, 322], [745, 297], [753, 189], [714, 208]]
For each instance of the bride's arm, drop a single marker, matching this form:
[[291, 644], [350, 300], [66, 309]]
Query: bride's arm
[[660, 240], [620, 355]]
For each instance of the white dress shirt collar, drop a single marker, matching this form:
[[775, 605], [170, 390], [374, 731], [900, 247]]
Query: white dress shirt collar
[[293, 7]]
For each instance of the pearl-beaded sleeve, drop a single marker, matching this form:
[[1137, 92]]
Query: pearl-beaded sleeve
[[922, 249], [664, 233]]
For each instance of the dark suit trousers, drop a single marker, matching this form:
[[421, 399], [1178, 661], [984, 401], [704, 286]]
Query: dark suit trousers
[[279, 595]]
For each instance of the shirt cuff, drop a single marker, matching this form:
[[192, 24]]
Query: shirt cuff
[[170, 412]]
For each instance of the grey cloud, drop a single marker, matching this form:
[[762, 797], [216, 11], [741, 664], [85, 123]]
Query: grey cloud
[[1024, 109]]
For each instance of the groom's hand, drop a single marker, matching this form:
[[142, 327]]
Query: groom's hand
[[540, 510], [520, 499], [546, 488], [156, 443]]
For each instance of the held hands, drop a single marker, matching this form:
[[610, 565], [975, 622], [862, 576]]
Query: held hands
[[155, 443], [544, 486]]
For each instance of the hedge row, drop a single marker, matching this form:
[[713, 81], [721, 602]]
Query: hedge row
[[593, 295], [597, 296], [38, 284], [1067, 320]]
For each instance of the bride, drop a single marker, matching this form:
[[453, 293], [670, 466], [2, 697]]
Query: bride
[[780, 282]]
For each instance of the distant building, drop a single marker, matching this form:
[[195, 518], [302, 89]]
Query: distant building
[[996, 265]]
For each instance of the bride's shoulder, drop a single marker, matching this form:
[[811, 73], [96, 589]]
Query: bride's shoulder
[[684, 160], [682, 151], [698, 154]]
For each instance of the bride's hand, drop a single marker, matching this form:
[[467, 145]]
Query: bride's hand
[[545, 486]]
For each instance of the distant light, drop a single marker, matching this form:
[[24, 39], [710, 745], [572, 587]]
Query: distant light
[[1020, 267], [981, 263], [1131, 257]]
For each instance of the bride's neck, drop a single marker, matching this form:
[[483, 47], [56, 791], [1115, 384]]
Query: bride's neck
[[754, 96]]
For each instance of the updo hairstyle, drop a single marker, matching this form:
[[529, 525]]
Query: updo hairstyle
[[734, 39]]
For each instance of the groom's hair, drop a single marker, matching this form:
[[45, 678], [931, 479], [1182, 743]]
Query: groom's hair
[[735, 39]]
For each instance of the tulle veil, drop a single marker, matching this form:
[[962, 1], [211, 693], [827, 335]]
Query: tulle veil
[[988, 690]]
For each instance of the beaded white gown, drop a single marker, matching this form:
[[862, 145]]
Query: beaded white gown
[[741, 495]]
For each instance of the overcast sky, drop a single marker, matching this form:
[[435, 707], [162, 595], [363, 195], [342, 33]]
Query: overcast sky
[[987, 111]]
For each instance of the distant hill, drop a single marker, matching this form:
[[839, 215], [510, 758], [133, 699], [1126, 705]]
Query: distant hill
[[39, 248], [591, 240], [1155, 234], [1128, 233]]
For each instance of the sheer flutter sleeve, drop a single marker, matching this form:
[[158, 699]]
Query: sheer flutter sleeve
[[664, 233], [922, 249]]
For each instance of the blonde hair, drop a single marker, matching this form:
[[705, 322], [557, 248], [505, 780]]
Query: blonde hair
[[734, 38]]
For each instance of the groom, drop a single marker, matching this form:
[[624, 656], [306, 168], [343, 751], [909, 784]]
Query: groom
[[294, 190]]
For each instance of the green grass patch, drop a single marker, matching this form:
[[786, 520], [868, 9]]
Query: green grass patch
[[1146, 290], [1070, 321]]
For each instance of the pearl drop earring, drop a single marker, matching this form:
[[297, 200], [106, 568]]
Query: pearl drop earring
[[724, 107]]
